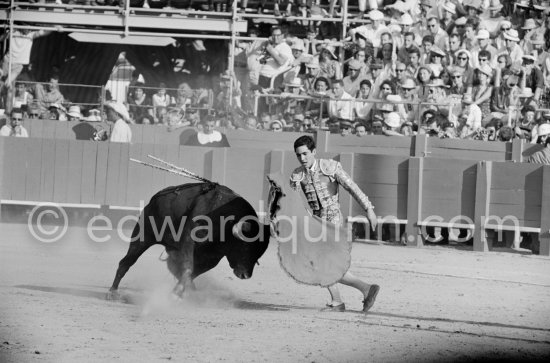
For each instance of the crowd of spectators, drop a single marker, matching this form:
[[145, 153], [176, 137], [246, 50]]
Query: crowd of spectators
[[466, 69], [470, 69]]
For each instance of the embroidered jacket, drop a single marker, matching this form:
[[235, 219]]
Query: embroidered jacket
[[320, 185]]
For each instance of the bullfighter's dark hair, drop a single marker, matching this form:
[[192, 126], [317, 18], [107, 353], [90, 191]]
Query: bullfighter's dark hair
[[305, 141]]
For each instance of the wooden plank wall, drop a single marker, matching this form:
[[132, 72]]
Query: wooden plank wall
[[468, 149], [448, 189], [516, 190], [391, 145], [419, 145], [384, 179], [74, 171]]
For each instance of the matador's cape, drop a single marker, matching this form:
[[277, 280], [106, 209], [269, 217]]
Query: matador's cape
[[311, 250]]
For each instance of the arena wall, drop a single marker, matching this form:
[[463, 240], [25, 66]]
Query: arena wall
[[416, 191]]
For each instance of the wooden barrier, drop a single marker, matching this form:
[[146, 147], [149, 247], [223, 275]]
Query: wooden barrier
[[420, 145], [423, 191]]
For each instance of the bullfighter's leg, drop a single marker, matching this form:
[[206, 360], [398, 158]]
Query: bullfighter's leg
[[135, 250], [369, 291]]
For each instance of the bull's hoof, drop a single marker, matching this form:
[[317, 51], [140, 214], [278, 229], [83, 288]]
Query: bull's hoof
[[113, 295]]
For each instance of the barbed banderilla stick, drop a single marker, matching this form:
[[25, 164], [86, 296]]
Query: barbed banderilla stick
[[180, 169], [168, 170]]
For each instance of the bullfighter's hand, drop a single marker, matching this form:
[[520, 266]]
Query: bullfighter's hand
[[371, 216]]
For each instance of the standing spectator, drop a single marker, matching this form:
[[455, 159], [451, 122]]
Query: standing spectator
[[14, 128], [20, 51], [117, 114]]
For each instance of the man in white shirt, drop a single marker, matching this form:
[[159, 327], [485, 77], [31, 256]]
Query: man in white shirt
[[278, 57], [14, 128], [117, 113], [340, 109]]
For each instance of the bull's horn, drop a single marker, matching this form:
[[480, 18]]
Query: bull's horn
[[240, 228]]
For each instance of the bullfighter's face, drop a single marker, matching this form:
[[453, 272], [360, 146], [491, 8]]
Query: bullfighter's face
[[305, 156]]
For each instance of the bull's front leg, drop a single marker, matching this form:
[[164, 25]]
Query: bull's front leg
[[184, 272]]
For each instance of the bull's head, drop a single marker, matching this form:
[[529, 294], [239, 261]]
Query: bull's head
[[256, 235]]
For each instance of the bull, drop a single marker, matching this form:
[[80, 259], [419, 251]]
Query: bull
[[210, 221]]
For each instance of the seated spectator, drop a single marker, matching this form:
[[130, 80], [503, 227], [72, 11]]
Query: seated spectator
[[505, 93], [276, 59], [118, 114], [14, 127], [33, 111], [532, 76], [542, 156], [48, 95], [448, 131], [346, 127], [265, 120], [526, 123], [545, 119], [208, 136], [353, 80], [505, 134], [424, 78], [363, 109], [308, 124], [276, 126], [297, 123], [184, 96], [74, 113], [377, 127], [360, 129], [161, 98], [436, 60], [57, 112], [22, 97], [392, 124], [140, 105], [409, 94], [482, 89], [329, 65], [312, 72], [470, 117], [492, 129], [341, 106], [512, 47], [319, 107], [222, 101], [293, 89]]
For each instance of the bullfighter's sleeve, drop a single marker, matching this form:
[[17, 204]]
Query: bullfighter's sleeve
[[345, 180]]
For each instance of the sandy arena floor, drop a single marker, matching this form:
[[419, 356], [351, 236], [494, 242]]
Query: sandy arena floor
[[435, 304]]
